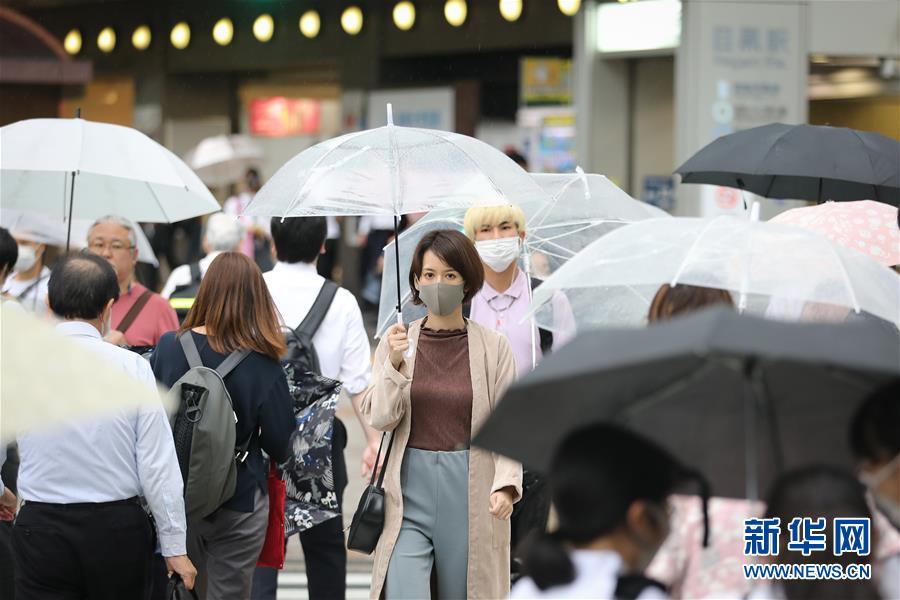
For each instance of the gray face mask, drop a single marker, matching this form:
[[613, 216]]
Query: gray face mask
[[442, 298]]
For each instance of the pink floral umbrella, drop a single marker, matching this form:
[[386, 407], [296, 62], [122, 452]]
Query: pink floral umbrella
[[867, 226]]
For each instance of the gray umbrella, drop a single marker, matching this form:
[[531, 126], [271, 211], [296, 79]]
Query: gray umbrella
[[738, 397], [801, 162]]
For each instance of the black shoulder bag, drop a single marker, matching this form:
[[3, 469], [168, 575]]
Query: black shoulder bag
[[368, 520]]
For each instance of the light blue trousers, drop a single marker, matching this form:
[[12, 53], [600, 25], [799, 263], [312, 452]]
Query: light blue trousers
[[435, 528]]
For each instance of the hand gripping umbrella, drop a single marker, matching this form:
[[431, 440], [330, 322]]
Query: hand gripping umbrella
[[72, 168], [394, 171], [801, 162], [739, 397]]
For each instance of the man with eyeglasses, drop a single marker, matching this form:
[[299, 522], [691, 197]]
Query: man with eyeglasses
[[139, 316]]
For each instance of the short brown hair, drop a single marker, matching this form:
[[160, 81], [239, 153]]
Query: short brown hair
[[457, 251], [234, 305], [670, 301]]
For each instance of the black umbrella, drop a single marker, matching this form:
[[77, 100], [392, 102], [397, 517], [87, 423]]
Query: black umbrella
[[737, 397], [801, 162]]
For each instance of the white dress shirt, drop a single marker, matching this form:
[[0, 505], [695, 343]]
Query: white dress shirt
[[596, 576], [341, 342], [182, 275], [109, 458]]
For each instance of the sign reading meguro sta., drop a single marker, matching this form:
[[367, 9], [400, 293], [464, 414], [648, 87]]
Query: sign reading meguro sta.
[[740, 65]]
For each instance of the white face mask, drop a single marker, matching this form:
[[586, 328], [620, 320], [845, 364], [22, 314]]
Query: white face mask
[[498, 254], [26, 260], [889, 506]]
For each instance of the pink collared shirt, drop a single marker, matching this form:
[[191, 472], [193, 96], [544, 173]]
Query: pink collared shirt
[[155, 319], [504, 312]]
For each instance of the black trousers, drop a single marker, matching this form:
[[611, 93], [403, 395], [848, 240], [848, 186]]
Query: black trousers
[[323, 545], [83, 551]]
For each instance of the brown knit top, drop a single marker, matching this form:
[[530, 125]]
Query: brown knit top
[[441, 392]]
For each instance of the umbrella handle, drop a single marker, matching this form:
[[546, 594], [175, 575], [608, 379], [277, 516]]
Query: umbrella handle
[[409, 351]]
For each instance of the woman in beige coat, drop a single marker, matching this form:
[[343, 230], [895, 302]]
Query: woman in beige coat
[[447, 505]]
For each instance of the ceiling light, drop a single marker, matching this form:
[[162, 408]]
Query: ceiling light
[[223, 31], [404, 15], [511, 10], [310, 24], [72, 43], [141, 37], [352, 20], [181, 35], [569, 7], [263, 28], [106, 41], [455, 11]]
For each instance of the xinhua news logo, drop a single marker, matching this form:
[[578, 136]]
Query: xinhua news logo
[[762, 538]]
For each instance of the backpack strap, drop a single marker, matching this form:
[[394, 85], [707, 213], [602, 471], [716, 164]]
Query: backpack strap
[[196, 276], [313, 319], [193, 356], [133, 313], [190, 350], [231, 361]]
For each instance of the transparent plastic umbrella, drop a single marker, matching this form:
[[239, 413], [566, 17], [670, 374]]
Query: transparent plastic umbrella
[[578, 209], [75, 168], [223, 159], [393, 170], [612, 281]]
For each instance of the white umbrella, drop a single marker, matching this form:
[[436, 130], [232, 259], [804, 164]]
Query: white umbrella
[[579, 208], [612, 281], [46, 230], [223, 159], [79, 385], [393, 170], [75, 168]]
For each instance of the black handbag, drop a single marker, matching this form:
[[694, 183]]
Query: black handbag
[[368, 520], [176, 590]]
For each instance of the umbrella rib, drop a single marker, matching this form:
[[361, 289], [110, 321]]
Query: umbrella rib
[[868, 158], [158, 203], [667, 389], [690, 251]]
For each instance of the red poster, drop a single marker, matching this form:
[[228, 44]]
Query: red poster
[[280, 117]]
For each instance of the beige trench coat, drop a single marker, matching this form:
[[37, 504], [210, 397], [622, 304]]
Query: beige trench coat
[[387, 407]]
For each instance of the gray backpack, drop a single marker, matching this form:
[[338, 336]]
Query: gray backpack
[[204, 430]]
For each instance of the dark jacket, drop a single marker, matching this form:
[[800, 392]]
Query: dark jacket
[[262, 402]]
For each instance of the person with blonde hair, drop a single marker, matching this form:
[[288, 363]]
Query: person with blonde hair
[[502, 304]]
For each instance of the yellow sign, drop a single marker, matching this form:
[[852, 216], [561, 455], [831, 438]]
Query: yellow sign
[[545, 81]]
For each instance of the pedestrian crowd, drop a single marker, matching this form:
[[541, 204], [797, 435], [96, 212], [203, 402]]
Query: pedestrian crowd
[[127, 505]]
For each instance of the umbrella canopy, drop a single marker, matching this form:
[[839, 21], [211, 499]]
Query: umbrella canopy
[[864, 225], [62, 166], [801, 162], [46, 230], [736, 396], [393, 171], [223, 159], [36, 363], [612, 281], [579, 208]]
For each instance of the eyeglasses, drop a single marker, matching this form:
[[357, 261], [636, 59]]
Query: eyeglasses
[[97, 246]]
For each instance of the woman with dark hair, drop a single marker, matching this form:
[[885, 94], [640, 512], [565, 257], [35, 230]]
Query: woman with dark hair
[[447, 505], [610, 489], [817, 492], [9, 254], [233, 311], [670, 301]]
